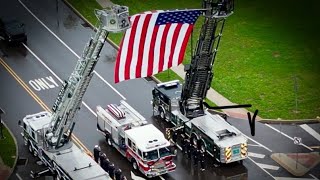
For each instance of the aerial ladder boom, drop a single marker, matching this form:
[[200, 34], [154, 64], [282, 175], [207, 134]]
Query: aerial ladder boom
[[199, 73], [70, 96]]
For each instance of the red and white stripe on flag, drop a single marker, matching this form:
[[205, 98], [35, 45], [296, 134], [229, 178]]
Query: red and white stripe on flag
[[155, 42]]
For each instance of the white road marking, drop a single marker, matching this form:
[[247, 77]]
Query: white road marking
[[261, 168], [275, 129], [258, 143], [69, 48], [256, 155], [255, 145], [267, 166], [291, 178], [313, 177], [135, 177], [311, 131], [55, 75], [18, 176], [109, 85]]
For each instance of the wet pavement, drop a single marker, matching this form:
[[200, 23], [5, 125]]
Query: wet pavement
[[55, 41]]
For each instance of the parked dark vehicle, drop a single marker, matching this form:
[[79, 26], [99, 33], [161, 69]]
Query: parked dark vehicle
[[12, 31]]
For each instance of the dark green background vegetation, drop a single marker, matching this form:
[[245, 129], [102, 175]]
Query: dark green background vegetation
[[7, 148], [265, 45]]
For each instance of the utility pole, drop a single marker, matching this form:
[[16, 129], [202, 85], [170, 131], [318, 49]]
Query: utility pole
[[1, 125]]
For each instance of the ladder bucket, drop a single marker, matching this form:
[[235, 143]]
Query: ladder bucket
[[114, 19]]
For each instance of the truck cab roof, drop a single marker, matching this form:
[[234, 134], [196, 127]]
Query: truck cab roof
[[147, 137]]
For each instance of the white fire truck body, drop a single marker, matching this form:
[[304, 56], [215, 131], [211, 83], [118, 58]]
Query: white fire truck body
[[70, 163], [142, 144]]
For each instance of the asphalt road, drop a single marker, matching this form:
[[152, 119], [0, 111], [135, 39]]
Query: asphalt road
[[55, 41]]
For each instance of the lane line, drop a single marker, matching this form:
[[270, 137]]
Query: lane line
[[38, 100], [22, 83], [311, 131], [275, 129], [313, 177], [18, 176], [267, 166], [261, 168], [291, 178], [55, 75], [257, 143], [256, 155], [74, 53]]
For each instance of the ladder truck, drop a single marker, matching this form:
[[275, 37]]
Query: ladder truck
[[48, 134], [145, 146], [183, 105]]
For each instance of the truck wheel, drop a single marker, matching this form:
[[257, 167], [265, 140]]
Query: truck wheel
[[135, 165]]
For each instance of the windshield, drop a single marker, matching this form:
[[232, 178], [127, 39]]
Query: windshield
[[151, 155], [164, 152]]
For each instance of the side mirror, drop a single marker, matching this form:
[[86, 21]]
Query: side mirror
[[19, 122]]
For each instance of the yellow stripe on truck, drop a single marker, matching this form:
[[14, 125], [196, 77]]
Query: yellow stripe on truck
[[228, 153]]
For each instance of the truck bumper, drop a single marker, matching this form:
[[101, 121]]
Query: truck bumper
[[157, 172]]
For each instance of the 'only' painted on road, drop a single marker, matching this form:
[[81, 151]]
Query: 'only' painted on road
[[43, 83]]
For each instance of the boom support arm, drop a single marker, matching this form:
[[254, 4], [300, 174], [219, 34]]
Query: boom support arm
[[199, 73], [70, 96]]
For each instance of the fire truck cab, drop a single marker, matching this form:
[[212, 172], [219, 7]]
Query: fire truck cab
[[142, 144]]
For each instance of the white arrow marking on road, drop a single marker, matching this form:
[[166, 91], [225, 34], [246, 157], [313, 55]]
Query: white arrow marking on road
[[256, 155], [135, 177], [69, 48], [275, 129], [311, 131], [267, 166]]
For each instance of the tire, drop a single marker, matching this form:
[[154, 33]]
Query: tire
[[135, 165]]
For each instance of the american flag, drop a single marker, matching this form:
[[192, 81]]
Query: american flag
[[155, 42]]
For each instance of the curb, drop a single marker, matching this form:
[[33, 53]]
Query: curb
[[269, 121], [295, 121], [17, 149]]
